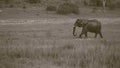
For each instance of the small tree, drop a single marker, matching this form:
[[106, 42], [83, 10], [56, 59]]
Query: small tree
[[104, 4]]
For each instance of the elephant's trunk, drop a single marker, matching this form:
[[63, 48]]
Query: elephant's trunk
[[74, 31]]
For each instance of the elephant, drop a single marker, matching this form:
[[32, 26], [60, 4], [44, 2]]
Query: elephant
[[93, 26]]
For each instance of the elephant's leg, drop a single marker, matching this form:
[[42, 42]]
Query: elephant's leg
[[83, 32], [100, 34], [86, 35], [96, 35], [81, 35]]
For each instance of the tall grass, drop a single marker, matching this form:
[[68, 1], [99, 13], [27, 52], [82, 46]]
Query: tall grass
[[104, 55]]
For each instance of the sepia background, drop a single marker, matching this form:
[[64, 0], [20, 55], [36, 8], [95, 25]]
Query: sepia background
[[38, 34]]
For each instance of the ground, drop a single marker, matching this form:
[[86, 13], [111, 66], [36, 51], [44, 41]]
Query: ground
[[35, 38]]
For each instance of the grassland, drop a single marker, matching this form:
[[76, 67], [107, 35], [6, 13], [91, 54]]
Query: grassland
[[45, 40]]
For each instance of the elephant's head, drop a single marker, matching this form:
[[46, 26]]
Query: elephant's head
[[79, 23]]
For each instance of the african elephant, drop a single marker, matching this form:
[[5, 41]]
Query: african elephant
[[93, 26]]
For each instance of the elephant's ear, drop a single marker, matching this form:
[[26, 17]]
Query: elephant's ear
[[84, 22]]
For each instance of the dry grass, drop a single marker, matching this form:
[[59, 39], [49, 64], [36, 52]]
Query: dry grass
[[38, 46]]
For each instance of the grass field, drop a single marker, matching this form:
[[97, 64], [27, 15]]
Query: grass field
[[47, 42]]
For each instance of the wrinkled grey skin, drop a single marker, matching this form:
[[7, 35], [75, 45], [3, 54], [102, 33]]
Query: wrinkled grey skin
[[93, 26]]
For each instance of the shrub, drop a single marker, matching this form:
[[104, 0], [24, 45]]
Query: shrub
[[11, 6], [68, 8], [24, 6], [51, 8]]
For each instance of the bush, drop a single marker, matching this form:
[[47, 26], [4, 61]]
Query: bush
[[24, 6], [51, 8], [68, 8], [11, 6]]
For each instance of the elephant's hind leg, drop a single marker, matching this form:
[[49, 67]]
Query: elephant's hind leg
[[96, 35], [100, 34], [86, 35]]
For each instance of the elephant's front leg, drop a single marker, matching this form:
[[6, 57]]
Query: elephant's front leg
[[80, 36], [86, 34], [83, 32]]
